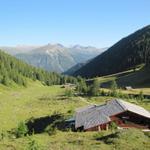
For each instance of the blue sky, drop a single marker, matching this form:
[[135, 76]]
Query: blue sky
[[99, 23]]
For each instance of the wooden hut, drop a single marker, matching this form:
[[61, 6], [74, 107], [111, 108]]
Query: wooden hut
[[124, 114]]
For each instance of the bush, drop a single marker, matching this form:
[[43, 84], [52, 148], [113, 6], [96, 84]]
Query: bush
[[69, 92], [5, 80], [141, 96], [51, 130], [21, 130], [70, 111], [3, 135], [113, 126], [103, 93], [33, 145]]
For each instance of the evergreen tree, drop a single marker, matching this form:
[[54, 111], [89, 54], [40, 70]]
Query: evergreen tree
[[94, 88], [114, 88], [5, 80], [141, 96], [82, 87]]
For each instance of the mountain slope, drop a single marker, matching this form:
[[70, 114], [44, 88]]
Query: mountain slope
[[82, 54], [125, 54], [13, 70], [73, 69], [50, 57], [140, 78], [58, 58]]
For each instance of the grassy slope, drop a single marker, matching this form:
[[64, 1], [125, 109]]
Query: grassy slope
[[139, 80], [19, 104], [22, 103]]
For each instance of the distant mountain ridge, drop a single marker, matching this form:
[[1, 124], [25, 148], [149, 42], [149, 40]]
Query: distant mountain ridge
[[54, 57], [13, 50], [126, 54], [50, 57]]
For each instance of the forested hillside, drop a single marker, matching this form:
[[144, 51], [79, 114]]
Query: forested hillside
[[125, 54], [13, 70]]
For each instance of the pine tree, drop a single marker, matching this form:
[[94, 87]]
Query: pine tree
[[5, 80], [82, 87], [94, 88], [114, 88]]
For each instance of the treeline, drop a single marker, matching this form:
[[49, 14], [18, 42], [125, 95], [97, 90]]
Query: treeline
[[94, 89], [14, 70], [83, 88]]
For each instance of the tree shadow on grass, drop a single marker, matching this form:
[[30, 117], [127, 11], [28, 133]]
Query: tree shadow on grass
[[107, 139], [38, 125]]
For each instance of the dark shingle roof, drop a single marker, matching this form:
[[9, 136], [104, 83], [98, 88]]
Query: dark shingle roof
[[94, 115], [94, 119]]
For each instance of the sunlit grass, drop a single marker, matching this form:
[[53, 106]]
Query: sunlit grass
[[20, 104]]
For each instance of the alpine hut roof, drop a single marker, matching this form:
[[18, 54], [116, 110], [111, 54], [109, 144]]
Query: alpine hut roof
[[94, 115]]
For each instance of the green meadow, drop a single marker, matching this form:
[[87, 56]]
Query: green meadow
[[36, 100]]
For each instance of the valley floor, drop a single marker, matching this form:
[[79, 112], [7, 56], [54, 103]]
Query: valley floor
[[36, 101]]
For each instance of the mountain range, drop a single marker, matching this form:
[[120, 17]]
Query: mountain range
[[54, 57], [130, 53], [88, 62]]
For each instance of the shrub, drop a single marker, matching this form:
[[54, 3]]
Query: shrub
[[141, 96], [33, 145], [21, 130], [113, 126], [103, 93], [70, 111], [5, 80], [3, 135], [69, 92], [51, 130]]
